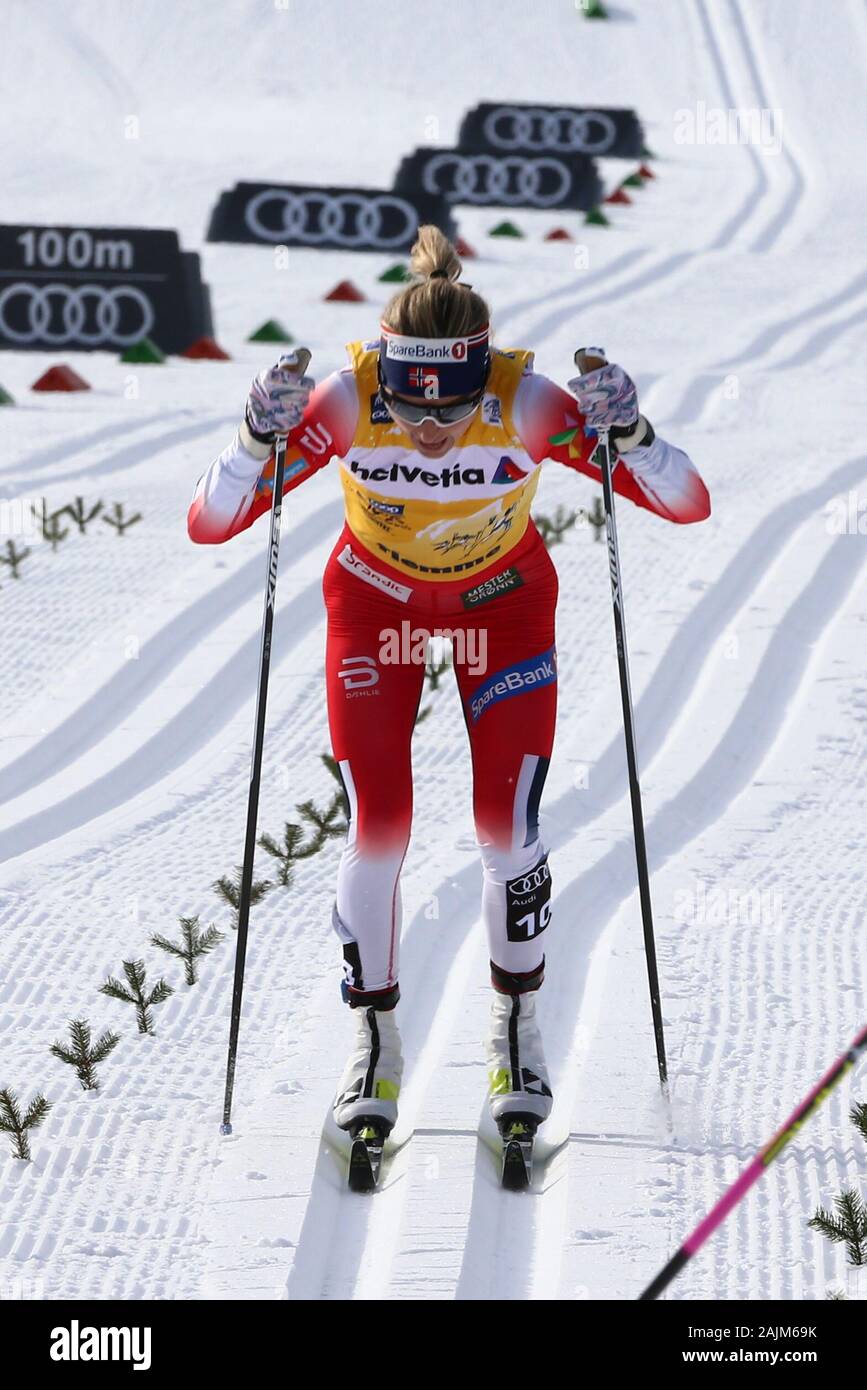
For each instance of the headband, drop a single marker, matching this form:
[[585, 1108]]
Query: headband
[[433, 367]]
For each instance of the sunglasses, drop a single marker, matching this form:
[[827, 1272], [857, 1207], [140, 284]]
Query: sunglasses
[[450, 414]]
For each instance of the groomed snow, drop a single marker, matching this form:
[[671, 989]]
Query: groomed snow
[[734, 292]]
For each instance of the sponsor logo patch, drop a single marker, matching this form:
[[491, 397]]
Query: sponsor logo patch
[[508, 471], [358, 673], [491, 588], [426, 349], [352, 562], [462, 565], [528, 903], [378, 411], [388, 508], [410, 473], [531, 674], [492, 410]]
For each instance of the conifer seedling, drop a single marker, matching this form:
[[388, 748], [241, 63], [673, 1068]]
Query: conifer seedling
[[134, 992], [14, 1123], [83, 1054], [192, 946]]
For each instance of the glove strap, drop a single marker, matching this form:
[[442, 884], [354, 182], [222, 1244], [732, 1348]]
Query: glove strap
[[259, 445], [626, 437]]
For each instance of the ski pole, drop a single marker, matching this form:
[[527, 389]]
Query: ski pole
[[754, 1170], [256, 770], [587, 360]]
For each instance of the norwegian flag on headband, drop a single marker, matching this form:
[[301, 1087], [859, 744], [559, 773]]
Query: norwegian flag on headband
[[426, 380]]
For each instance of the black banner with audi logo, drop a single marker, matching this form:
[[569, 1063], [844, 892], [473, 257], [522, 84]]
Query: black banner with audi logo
[[99, 288], [347, 219], [507, 180], [518, 128]]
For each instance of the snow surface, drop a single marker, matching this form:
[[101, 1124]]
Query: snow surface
[[733, 291]]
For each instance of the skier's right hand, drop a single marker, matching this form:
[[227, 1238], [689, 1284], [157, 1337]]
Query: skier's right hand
[[278, 396]]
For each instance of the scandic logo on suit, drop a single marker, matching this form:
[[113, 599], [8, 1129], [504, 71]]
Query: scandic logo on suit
[[355, 565]]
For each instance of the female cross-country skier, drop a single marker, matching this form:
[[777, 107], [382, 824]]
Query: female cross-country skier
[[440, 438]]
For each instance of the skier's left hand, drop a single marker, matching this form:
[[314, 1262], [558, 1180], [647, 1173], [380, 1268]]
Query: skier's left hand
[[606, 397]]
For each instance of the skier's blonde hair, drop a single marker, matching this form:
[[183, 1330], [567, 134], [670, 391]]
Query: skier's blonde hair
[[435, 305]]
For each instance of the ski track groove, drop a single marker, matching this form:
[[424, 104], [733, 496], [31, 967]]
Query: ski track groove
[[502, 1231]]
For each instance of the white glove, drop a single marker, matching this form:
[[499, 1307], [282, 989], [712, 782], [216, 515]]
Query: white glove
[[278, 397], [608, 400], [606, 397]]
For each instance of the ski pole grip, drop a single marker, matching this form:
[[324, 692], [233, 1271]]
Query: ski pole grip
[[588, 359]]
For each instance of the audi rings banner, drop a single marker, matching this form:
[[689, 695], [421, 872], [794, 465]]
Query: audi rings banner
[[511, 128], [511, 180], [349, 219], [105, 288]]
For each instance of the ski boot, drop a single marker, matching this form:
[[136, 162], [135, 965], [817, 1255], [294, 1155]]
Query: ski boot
[[366, 1103], [520, 1092]]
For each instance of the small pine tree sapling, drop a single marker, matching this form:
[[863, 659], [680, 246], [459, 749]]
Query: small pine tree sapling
[[119, 521], [331, 765], [435, 669], [134, 992], [13, 558], [330, 824], [291, 850], [14, 1123], [596, 518], [49, 525], [83, 1054], [80, 515], [324, 824], [229, 889], [848, 1227], [193, 944], [553, 528]]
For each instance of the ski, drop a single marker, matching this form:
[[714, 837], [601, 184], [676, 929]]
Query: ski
[[365, 1156], [518, 1135]]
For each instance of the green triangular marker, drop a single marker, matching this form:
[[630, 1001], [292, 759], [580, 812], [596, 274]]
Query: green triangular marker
[[271, 331], [143, 351], [596, 218], [593, 9], [565, 437], [395, 274], [634, 181], [505, 229], [5, 398]]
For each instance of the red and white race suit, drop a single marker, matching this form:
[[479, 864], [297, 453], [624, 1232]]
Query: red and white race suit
[[440, 545]]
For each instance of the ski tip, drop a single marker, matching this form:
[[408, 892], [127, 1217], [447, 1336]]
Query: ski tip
[[518, 1134], [516, 1174], [362, 1171], [365, 1156]]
